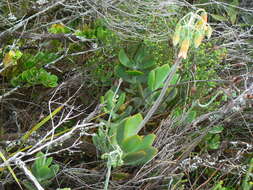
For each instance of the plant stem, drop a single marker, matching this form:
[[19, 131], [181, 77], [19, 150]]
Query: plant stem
[[162, 94], [108, 174]]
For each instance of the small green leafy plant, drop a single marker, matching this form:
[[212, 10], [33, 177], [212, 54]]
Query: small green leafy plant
[[43, 170], [212, 139], [123, 133], [134, 70], [145, 77], [118, 139], [30, 71]]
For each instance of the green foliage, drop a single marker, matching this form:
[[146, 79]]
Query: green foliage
[[12, 57], [134, 70], [43, 170], [30, 71], [114, 105], [145, 77], [38, 60], [204, 64], [135, 149], [212, 139], [158, 75], [35, 76], [96, 30], [121, 135], [58, 29]]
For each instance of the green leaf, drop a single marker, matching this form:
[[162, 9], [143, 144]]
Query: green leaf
[[48, 161], [124, 60], [136, 143], [147, 141], [109, 100], [148, 63], [214, 143], [128, 127], [41, 173], [157, 77], [142, 59], [41, 170], [120, 71], [130, 144], [134, 72], [140, 55], [134, 157], [140, 157]]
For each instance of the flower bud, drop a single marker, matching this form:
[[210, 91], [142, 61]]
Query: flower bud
[[204, 17], [184, 49], [198, 39]]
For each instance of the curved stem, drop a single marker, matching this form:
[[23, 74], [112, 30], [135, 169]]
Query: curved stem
[[162, 94]]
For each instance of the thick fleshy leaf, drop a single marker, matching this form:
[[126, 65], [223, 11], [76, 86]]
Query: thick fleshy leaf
[[147, 63], [134, 157], [147, 141], [131, 144], [140, 157], [157, 77], [120, 71], [140, 55], [128, 127], [42, 173], [136, 143], [124, 60], [134, 72]]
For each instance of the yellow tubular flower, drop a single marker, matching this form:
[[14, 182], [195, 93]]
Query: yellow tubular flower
[[199, 24], [204, 16], [184, 49], [198, 40]]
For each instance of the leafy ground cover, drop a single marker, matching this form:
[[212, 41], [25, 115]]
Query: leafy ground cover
[[126, 94]]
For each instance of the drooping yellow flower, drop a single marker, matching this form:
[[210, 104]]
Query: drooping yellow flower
[[201, 22], [184, 49], [198, 40], [204, 17]]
